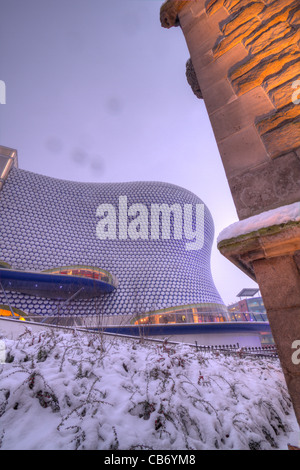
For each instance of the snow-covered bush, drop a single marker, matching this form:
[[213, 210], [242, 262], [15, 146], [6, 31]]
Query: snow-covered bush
[[61, 390]]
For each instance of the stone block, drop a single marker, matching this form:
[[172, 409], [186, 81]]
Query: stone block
[[295, 17], [240, 113], [282, 95], [269, 20], [218, 69], [235, 21], [242, 151], [290, 71], [252, 73], [233, 6], [198, 7], [263, 57], [235, 37], [204, 59], [186, 19], [270, 34], [201, 31], [212, 6], [283, 138], [267, 186], [218, 95], [278, 10], [278, 119]]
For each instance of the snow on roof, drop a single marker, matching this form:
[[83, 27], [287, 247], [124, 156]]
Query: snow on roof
[[278, 216]]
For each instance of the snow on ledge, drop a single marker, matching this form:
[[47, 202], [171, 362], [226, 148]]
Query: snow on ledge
[[281, 215]]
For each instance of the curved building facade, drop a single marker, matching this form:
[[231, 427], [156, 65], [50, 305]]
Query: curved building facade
[[149, 242]]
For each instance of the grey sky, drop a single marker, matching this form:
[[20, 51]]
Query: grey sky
[[96, 91]]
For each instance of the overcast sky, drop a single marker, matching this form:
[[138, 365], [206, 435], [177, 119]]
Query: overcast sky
[[96, 92]]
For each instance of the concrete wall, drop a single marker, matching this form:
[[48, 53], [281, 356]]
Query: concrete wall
[[11, 329]]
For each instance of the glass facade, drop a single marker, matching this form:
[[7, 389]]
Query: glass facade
[[202, 313], [5, 311], [90, 272], [250, 309]]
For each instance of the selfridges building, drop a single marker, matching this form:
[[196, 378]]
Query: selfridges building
[[137, 252]]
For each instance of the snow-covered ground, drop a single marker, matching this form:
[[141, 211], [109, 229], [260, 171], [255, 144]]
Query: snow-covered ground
[[61, 390]]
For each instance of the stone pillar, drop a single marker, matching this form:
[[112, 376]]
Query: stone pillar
[[279, 282], [244, 63], [246, 58], [271, 256]]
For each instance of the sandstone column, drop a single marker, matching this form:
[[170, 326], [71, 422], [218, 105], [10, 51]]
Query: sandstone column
[[244, 63]]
